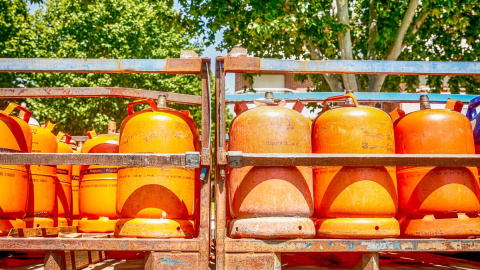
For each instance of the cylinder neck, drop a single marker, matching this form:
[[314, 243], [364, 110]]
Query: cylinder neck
[[424, 102], [112, 127], [349, 101], [162, 101], [269, 95]]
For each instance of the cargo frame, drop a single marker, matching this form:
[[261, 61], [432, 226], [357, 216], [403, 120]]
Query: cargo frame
[[188, 253], [266, 254]]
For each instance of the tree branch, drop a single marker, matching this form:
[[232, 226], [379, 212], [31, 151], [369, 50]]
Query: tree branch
[[372, 34], [419, 21], [331, 79], [372, 30], [376, 84], [407, 20], [345, 43]]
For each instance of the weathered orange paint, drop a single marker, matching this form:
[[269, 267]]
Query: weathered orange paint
[[63, 183], [157, 201], [16, 137], [437, 201], [42, 186], [98, 187], [281, 197], [354, 202]]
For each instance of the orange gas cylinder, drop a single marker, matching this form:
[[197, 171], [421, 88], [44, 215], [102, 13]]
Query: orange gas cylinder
[[270, 202], [75, 212], [354, 202], [436, 201], [157, 201], [98, 187], [63, 187], [16, 136], [42, 187]]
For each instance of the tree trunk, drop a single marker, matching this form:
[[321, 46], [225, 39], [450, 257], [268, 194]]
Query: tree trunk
[[345, 42]]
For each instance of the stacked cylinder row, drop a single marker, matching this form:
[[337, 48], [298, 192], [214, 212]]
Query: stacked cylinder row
[[132, 201], [352, 202]]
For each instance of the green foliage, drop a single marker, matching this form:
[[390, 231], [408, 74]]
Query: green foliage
[[442, 30], [117, 29]]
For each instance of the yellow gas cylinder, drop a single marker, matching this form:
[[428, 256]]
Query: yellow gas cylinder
[[63, 187], [354, 202], [98, 187], [75, 212], [157, 201], [270, 202], [16, 137], [42, 186]]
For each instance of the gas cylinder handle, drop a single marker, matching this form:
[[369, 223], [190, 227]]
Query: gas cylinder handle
[[62, 134], [397, 113], [91, 134], [12, 106], [150, 102], [49, 125], [454, 105], [471, 112], [352, 96]]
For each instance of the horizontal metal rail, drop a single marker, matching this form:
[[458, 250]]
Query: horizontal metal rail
[[189, 160], [74, 65], [313, 97], [244, 64], [354, 245], [112, 244], [83, 92], [238, 159]]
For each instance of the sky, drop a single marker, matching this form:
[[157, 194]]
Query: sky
[[209, 51]]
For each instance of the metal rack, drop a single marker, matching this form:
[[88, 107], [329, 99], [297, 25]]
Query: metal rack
[[161, 253], [266, 254]]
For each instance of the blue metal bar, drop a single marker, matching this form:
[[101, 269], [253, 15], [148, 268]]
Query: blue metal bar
[[269, 65], [100, 65], [361, 97]]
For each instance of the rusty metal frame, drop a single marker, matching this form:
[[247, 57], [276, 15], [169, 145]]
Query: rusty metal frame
[[188, 63], [230, 252]]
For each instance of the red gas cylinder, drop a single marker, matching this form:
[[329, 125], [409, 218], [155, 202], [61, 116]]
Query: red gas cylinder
[[98, 187], [42, 187], [354, 202], [270, 202], [75, 212], [63, 187], [436, 201], [157, 201], [16, 137]]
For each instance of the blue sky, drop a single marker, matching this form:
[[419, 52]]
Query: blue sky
[[210, 51]]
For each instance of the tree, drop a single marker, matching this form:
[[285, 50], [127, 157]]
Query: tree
[[15, 36], [117, 29], [443, 30]]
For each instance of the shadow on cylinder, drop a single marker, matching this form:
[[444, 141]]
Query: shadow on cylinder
[[157, 202], [14, 179], [98, 185], [42, 200], [438, 202], [354, 202], [270, 202], [63, 184]]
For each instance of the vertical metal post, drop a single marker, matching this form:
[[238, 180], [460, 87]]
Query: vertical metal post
[[369, 261], [220, 161], [54, 261], [205, 192]]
